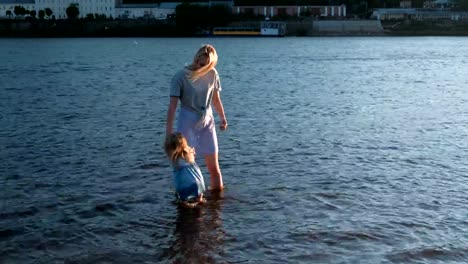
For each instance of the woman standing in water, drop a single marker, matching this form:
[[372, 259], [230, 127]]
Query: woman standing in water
[[197, 86]]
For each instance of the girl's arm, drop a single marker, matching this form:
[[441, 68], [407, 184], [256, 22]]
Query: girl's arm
[[218, 106], [170, 114]]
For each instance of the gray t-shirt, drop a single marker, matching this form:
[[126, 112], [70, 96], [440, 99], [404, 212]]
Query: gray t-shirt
[[195, 96]]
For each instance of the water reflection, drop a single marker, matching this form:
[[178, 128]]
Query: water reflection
[[338, 159], [198, 233]]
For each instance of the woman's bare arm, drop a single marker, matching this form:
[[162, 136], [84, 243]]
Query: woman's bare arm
[[171, 114], [218, 106]]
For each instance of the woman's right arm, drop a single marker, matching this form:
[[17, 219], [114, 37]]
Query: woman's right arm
[[170, 114]]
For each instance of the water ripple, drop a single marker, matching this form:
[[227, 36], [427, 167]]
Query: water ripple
[[329, 161]]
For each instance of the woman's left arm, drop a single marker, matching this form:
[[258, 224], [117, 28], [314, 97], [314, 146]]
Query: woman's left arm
[[218, 106]]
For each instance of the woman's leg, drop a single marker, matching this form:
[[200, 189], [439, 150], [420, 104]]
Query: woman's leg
[[216, 179]]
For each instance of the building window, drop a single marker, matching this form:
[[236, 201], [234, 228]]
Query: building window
[[249, 11], [282, 11]]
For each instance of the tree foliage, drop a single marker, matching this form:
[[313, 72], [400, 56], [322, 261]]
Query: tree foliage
[[48, 12], [20, 11], [72, 11], [41, 14]]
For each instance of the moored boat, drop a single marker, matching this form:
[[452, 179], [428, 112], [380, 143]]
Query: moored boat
[[266, 28], [236, 31]]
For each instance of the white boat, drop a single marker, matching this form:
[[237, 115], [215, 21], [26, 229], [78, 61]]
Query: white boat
[[272, 28]]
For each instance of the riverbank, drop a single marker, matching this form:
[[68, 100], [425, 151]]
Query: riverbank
[[83, 28], [168, 28], [426, 28]]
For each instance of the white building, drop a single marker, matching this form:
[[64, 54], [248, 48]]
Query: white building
[[228, 3], [158, 11], [272, 11], [142, 11], [109, 8], [9, 5], [59, 7], [439, 4]]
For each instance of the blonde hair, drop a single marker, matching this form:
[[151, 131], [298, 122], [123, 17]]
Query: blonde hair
[[176, 147], [206, 51]]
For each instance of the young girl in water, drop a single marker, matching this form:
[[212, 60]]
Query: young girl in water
[[187, 177]]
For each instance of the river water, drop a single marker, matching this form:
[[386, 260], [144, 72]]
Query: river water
[[339, 150]]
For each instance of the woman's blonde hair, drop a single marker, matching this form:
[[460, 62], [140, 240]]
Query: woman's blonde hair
[[176, 147], [206, 51]]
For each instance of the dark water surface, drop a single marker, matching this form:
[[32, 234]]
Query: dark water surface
[[340, 150]]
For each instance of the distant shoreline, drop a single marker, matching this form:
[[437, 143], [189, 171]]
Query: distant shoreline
[[161, 28]]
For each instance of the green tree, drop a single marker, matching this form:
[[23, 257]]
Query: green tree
[[8, 13], [19, 11], [41, 14], [90, 16], [48, 12], [100, 17], [32, 13], [72, 11]]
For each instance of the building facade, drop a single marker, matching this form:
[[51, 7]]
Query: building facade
[[272, 11], [418, 14], [159, 11], [116, 8], [143, 11], [439, 4]]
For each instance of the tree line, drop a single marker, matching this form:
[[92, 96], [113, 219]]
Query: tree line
[[72, 12], [21, 11]]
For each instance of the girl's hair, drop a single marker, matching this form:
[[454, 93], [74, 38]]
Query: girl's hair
[[176, 147], [206, 51]]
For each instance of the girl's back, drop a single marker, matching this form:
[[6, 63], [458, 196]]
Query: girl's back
[[188, 180]]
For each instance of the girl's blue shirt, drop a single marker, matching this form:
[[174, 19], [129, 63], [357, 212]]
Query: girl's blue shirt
[[188, 180]]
